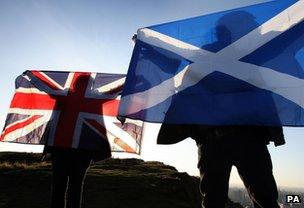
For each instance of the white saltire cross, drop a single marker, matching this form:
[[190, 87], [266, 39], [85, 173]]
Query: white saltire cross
[[225, 61]]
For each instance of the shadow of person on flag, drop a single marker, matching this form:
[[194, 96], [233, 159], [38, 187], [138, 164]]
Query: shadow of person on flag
[[72, 143], [230, 138]]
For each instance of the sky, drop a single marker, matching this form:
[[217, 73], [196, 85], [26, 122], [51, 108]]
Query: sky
[[96, 36]]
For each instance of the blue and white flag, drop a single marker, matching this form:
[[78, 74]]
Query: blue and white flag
[[238, 67]]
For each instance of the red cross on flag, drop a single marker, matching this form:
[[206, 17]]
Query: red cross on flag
[[70, 110]]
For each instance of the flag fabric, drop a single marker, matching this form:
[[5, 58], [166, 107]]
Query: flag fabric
[[70, 110], [237, 67]]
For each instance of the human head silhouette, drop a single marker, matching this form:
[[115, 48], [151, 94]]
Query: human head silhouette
[[232, 26], [80, 84]]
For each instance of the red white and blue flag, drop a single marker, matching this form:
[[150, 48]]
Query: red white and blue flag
[[70, 110]]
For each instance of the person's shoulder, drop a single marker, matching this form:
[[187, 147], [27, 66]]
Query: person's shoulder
[[174, 133]]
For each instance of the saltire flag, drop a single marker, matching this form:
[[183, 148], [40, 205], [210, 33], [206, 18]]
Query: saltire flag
[[70, 110], [237, 67]]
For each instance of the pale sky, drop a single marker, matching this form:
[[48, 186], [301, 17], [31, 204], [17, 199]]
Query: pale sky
[[94, 35]]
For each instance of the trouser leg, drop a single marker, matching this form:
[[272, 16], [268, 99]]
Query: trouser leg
[[59, 181], [255, 169], [214, 172], [76, 179]]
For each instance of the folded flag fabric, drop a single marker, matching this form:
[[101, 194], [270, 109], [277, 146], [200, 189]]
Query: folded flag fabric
[[237, 67], [70, 110]]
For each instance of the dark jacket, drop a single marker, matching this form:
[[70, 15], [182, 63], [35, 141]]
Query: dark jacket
[[174, 133]]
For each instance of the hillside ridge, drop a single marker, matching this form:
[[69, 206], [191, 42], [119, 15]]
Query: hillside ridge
[[112, 183]]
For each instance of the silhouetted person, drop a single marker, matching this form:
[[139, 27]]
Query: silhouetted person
[[221, 147], [70, 165]]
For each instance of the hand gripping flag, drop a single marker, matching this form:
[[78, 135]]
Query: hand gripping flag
[[238, 67], [70, 110]]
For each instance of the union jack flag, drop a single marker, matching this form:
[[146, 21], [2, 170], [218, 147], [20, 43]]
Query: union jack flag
[[70, 110]]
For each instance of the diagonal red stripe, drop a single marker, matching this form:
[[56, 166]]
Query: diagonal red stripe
[[100, 128], [19, 125], [123, 145], [45, 80]]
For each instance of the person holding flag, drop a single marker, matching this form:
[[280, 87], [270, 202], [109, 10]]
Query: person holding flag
[[221, 147], [74, 115], [69, 165], [229, 80]]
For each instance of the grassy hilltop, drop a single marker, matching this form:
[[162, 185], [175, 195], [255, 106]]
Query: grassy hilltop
[[25, 182]]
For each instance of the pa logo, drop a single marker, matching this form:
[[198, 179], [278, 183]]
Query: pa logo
[[294, 199]]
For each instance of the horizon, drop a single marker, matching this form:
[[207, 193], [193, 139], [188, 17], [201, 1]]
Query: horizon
[[231, 186]]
